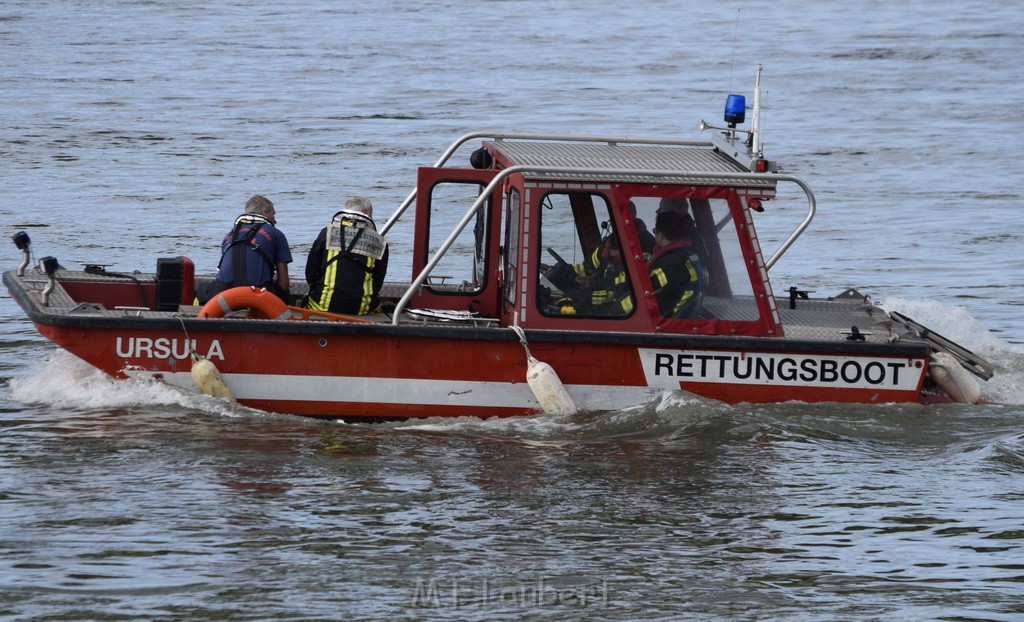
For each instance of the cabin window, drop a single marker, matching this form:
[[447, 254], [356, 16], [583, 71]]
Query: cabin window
[[511, 278], [462, 269], [581, 268]]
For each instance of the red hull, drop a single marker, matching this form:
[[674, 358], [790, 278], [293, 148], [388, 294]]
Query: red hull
[[415, 376]]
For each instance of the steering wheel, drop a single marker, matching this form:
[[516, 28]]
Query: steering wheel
[[561, 275]]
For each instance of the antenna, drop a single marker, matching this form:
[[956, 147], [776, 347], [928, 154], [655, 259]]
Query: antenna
[[735, 36], [755, 123]]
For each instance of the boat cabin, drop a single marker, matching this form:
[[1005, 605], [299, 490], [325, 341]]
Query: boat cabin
[[560, 235]]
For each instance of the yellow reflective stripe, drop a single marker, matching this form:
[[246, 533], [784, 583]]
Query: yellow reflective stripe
[[330, 275], [682, 301], [364, 304], [583, 269], [689, 292], [662, 278], [604, 296]]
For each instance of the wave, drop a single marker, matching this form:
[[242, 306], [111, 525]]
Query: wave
[[63, 381], [956, 323]]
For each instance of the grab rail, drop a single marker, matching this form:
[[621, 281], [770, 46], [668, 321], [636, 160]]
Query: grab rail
[[611, 140]]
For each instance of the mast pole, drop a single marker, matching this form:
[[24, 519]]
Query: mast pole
[[755, 124]]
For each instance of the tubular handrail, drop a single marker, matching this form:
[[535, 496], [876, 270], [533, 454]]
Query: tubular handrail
[[812, 208], [499, 136], [505, 173]]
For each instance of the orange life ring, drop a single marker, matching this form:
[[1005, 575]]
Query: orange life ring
[[260, 303]]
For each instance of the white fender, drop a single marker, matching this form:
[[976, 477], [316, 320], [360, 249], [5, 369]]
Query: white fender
[[208, 379], [548, 389], [954, 379]]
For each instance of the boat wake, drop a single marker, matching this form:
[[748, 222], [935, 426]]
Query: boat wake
[[955, 323], [675, 426], [63, 381], [670, 411]]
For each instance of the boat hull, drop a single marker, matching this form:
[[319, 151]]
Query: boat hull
[[333, 370]]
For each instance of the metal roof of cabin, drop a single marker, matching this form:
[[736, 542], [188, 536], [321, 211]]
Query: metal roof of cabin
[[692, 163]]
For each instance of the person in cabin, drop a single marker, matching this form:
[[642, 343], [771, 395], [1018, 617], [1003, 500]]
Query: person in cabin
[[255, 252], [599, 283], [593, 286], [679, 206], [682, 207], [602, 287], [603, 264], [677, 269], [606, 259], [677, 272], [347, 263]]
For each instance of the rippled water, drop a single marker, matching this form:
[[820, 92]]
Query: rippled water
[[137, 130]]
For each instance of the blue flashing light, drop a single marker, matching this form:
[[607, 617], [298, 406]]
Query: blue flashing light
[[735, 109]]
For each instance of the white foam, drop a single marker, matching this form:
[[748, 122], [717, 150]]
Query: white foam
[[62, 380], [674, 400], [956, 323], [664, 412], [951, 321], [537, 426]]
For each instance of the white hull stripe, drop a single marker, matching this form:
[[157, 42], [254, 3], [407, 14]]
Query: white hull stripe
[[408, 391]]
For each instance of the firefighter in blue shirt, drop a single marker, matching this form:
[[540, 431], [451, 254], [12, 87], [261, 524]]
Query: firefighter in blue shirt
[[255, 252]]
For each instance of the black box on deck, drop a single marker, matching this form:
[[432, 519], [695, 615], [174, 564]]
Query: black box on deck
[[174, 280]]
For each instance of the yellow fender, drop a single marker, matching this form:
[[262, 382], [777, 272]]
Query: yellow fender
[[208, 379]]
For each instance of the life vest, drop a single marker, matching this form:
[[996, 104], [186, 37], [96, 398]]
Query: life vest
[[353, 237], [679, 277], [241, 244], [352, 233]]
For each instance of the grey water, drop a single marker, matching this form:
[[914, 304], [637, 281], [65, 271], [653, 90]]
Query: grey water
[[136, 130]]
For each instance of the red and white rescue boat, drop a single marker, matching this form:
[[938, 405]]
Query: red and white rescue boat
[[484, 310]]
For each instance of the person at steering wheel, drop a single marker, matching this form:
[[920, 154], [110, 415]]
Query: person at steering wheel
[[597, 286]]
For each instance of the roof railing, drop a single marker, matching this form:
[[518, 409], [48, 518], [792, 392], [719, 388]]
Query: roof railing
[[497, 136]]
